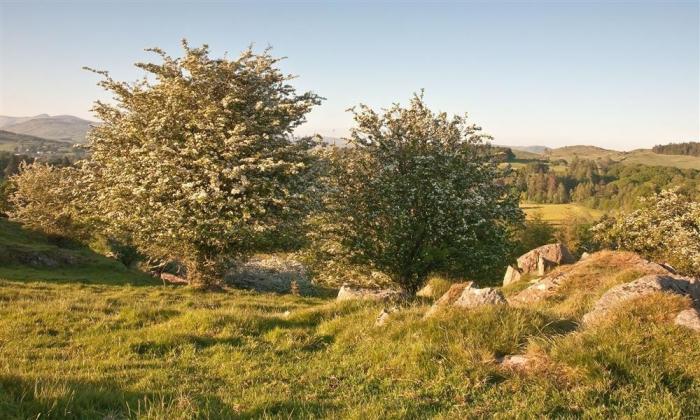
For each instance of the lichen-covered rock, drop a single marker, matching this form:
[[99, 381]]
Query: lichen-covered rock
[[690, 318], [348, 292], [556, 254], [465, 295], [641, 287], [473, 297], [512, 275]]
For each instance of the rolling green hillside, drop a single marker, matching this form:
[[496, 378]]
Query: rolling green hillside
[[98, 341], [34, 146], [639, 156]]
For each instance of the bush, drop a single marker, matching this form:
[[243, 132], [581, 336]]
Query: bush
[[666, 228], [533, 233], [419, 192], [575, 232], [46, 199]]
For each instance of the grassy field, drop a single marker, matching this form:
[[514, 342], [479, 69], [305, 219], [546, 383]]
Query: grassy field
[[556, 213], [117, 345]]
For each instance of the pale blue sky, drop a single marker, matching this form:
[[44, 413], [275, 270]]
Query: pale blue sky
[[615, 74]]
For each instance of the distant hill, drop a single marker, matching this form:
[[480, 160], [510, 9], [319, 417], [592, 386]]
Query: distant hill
[[59, 127], [34, 146], [639, 156], [531, 149]]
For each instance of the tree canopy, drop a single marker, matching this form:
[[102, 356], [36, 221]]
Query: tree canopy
[[420, 192], [196, 161]]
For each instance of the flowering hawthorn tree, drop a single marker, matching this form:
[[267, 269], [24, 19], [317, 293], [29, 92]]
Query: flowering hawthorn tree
[[420, 192], [196, 162], [666, 227]]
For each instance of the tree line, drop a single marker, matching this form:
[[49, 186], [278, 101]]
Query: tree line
[[601, 184], [689, 148]]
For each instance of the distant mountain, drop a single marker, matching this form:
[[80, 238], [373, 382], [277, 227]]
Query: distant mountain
[[58, 127]]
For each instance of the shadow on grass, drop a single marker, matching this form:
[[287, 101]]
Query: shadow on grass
[[23, 398], [160, 349], [107, 274], [289, 409]]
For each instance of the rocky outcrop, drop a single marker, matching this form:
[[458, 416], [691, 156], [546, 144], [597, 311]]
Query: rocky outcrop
[[641, 287], [551, 283], [690, 318], [348, 292], [465, 295], [550, 255], [512, 275]]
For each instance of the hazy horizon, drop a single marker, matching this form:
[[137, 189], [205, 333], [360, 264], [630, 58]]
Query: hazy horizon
[[620, 76]]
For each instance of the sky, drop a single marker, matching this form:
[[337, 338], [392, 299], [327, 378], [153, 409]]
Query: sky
[[620, 75]]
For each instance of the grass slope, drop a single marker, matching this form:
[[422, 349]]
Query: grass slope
[[112, 350]]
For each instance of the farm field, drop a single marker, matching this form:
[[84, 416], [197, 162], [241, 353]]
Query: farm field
[[556, 213]]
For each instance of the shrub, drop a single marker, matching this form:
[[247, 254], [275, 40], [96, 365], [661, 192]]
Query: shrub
[[419, 192], [46, 199], [533, 233], [666, 227]]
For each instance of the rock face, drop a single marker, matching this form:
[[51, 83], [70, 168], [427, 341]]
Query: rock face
[[690, 318], [465, 295], [512, 275], [640, 287], [552, 255], [550, 283], [348, 292]]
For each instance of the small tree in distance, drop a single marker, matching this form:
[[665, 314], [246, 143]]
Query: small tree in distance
[[197, 163], [420, 192]]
